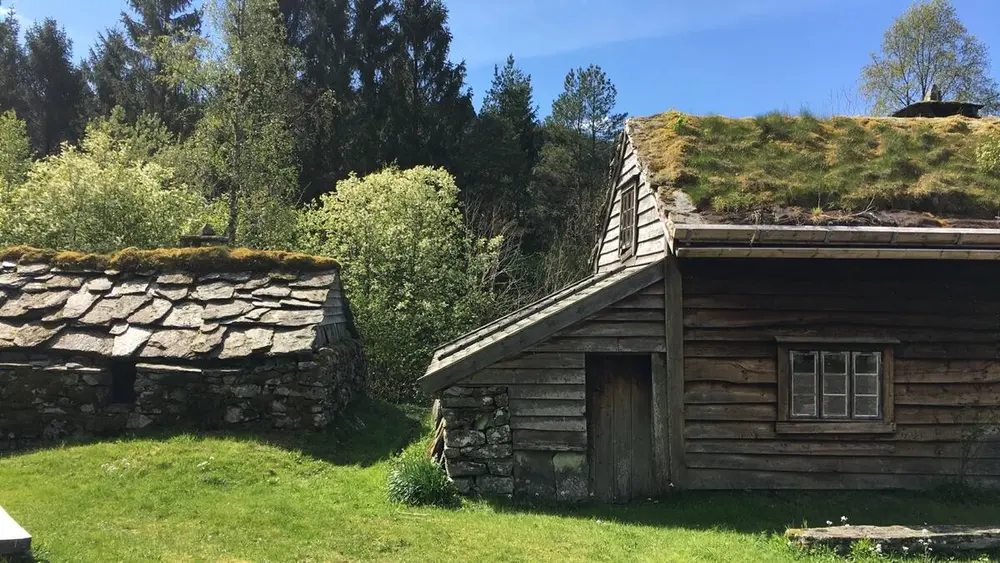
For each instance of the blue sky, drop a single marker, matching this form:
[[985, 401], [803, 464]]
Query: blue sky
[[731, 57]]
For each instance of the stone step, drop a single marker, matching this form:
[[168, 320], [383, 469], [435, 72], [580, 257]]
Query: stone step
[[936, 540], [13, 538]]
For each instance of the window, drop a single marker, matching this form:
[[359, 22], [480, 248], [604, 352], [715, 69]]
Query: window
[[627, 219], [122, 382], [834, 385]]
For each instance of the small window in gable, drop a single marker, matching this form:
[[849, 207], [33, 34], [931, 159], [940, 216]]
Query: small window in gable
[[627, 218], [834, 385]]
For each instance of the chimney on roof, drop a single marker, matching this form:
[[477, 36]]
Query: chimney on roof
[[206, 237], [932, 106]]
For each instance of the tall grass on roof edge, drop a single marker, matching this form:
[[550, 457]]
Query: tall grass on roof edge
[[195, 260], [840, 163]]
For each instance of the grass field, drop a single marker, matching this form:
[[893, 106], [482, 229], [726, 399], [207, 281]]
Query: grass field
[[322, 498]]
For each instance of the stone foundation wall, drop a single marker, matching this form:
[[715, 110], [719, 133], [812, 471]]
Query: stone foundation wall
[[46, 398], [478, 453]]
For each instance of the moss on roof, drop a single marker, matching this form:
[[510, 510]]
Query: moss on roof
[[852, 164], [196, 260]]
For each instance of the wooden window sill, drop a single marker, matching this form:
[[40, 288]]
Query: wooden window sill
[[835, 427]]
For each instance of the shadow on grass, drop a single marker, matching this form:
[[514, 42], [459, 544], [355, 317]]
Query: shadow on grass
[[775, 511], [367, 432]]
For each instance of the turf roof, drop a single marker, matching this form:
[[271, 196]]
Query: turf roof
[[195, 260], [842, 170]]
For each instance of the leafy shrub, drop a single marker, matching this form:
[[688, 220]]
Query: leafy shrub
[[414, 273], [97, 198], [988, 154], [416, 480], [15, 154]]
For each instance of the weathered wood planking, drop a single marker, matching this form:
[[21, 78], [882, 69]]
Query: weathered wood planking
[[946, 368]]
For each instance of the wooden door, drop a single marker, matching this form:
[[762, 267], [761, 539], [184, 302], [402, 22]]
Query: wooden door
[[620, 426]]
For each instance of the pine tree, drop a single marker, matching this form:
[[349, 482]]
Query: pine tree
[[56, 89], [123, 72], [431, 109], [503, 147], [12, 67]]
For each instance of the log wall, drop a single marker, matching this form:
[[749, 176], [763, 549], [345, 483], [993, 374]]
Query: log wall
[[947, 371]]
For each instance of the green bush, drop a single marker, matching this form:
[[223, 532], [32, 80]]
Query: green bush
[[416, 480], [414, 273]]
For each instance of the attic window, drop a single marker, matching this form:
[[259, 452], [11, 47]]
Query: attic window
[[835, 385], [123, 377], [627, 219]]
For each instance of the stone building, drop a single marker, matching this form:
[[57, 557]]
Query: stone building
[[186, 338]]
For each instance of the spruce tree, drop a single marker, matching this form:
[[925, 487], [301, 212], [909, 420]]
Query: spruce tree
[[12, 67], [56, 89]]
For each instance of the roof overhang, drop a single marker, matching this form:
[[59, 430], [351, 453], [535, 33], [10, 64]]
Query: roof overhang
[[694, 240]]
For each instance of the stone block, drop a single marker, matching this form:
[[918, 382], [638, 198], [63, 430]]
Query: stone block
[[458, 392], [534, 476], [501, 417], [493, 451], [503, 467], [462, 438], [498, 435], [460, 402], [572, 476], [492, 485], [464, 485], [465, 468]]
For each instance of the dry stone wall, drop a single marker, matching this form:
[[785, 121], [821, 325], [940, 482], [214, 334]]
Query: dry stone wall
[[46, 398], [478, 452]]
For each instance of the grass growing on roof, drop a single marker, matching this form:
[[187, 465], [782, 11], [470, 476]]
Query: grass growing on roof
[[844, 163], [322, 497], [196, 260]]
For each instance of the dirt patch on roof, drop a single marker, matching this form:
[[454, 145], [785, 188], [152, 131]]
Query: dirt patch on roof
[[785, 169]]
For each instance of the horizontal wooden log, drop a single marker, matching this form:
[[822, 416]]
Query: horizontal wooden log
[[948, 394], [908, 414], [546, 376], [880, 302], [844, 465], [743, 370], [615, 328], [907, 335], [947, 351], [568, 392], [947, 371], [752, 431], [550, 441], [832, 427], [761, 412], [550, 423], [812, 447], [730, 479], [640, 301], [640, 315], [704, 392], [545, 407], [654, 289], [543, 360], [730, 318], [740, 350], [598, 344]]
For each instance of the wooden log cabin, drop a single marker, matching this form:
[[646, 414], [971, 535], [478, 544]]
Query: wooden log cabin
[[777, 303]]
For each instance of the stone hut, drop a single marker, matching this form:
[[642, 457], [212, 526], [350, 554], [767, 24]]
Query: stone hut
[[189, 338]]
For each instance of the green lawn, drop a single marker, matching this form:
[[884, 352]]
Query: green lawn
[[322, 498]]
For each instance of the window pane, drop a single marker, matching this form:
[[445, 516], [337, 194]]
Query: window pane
[[866, 362], [834, 384], [803, 405], [803, 384], [866, 384], [803, 362], [834, 406], [834, 363], [865, 406]]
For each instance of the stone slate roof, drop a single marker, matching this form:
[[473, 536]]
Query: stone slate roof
[[169, 315]]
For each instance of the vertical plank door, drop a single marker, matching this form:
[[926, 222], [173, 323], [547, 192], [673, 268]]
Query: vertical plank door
[[619, 425]]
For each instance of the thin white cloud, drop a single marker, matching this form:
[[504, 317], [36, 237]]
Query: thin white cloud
[[487, 30]]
